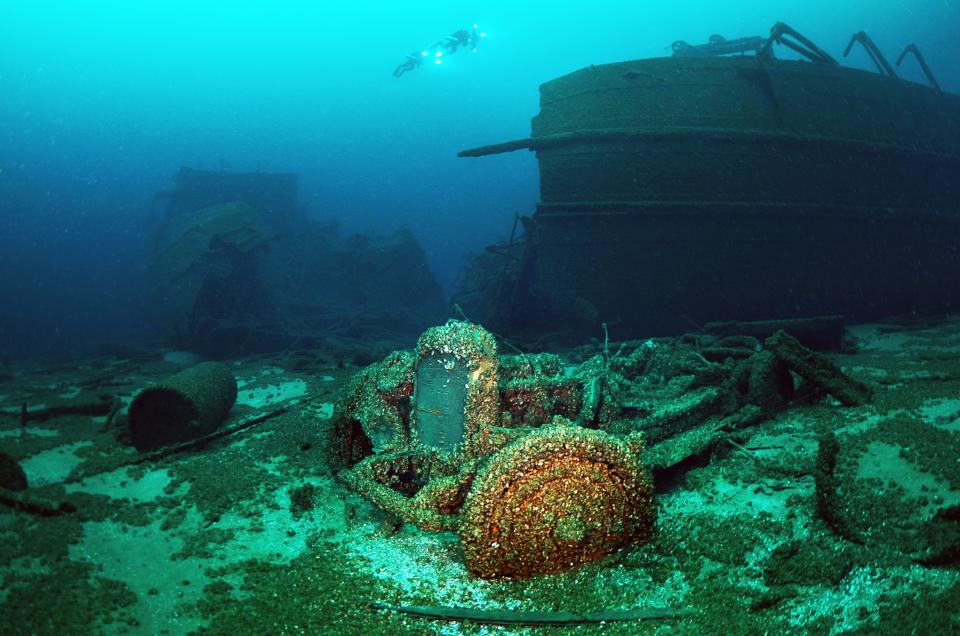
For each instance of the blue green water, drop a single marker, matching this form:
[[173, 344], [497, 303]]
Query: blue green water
[[101, 102]]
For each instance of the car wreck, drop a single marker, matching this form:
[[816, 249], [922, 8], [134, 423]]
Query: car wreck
[[538, 465]]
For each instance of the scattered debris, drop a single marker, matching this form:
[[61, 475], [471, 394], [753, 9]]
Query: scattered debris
[[34, 505], [86, 405], [818, 370], [820, 333], [737, 545]]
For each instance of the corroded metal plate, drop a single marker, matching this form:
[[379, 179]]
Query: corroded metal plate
[[439, 401]]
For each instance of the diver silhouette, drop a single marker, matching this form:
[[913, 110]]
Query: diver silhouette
[[413, 60], [460, 39]]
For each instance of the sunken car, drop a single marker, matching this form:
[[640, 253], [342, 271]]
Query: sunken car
[[539, 465]]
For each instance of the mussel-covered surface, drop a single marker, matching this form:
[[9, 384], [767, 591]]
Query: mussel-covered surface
[[813, 517]]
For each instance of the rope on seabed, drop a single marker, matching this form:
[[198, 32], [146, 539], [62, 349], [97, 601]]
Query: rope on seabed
[[532, 619]]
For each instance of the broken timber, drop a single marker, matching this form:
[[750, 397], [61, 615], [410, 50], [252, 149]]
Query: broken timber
[[817, 369]]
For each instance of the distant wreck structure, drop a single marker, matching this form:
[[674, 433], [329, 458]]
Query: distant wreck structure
[[272, 194], [237, 268], [715, 187]]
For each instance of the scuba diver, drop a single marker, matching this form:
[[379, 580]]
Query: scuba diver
[[413, 60], [459, 39], [454, 41]]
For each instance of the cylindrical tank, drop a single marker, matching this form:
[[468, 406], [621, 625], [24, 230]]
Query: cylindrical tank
[[184, 406]]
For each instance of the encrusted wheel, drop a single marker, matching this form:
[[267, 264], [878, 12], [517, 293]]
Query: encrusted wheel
[[556, 498]]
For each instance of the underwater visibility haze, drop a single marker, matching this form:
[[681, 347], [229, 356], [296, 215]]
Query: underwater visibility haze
[[467, 318], [104, 101]]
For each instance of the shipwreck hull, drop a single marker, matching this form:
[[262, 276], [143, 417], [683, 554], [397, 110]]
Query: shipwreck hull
[[683, 190], [662, 269]]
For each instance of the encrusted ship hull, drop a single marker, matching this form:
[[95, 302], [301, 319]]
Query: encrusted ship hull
[[699, 189]]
